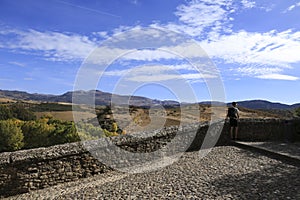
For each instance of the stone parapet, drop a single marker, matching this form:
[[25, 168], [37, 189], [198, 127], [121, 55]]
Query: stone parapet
[[26, 170]]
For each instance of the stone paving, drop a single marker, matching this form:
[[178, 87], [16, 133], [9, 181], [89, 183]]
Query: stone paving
[[227, 172], [283, 148]]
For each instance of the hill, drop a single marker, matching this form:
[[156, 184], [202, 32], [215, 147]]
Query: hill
[[104, 98], [262, 104], [140, 116], [101, 98]]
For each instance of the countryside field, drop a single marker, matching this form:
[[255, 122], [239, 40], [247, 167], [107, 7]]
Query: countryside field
[[135, 118], [138, 119]]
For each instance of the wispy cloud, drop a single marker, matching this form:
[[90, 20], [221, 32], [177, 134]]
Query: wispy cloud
[[88, 9], [149, 69], [6, 79], [259, 54], [135, 2], [153, 73], [278, 77], [248, 4], [277, 49], [209, 22], [204, 18], [274, 73], [17, 64], [149, 55], [28, 79], [292, 7], [255, 71], [51, 45], [198, 17]]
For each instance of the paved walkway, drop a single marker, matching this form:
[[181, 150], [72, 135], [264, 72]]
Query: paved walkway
[[291, 150], [227, 172]]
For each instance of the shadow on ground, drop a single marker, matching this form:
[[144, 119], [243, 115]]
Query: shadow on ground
[[275, 181]]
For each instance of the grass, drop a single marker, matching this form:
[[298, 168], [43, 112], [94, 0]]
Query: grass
[[66, 115]]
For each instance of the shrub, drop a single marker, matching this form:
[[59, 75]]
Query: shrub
[[37, 133], [11, 137], [20, 112], [88, 131], [5, 113], [64, 132], [297, 111]]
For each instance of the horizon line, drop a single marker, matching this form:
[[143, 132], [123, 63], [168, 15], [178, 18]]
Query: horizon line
[[202, 101]]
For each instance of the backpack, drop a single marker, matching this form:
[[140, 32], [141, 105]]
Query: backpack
[[231, 113]]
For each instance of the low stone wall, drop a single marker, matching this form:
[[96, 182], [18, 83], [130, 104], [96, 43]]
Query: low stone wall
[[32, 169], [27, 170], [269, 130]]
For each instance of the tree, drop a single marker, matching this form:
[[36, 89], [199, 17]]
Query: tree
[[88, 131], [20, 112], [297, 111], [11, 137], [64, 132], [5, 113], [37, 133]]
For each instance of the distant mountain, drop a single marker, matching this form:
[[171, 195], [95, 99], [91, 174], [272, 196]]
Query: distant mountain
[[20, 95], [101, 98], [296, 105], [266, 105], [214, 103], [104, 98]]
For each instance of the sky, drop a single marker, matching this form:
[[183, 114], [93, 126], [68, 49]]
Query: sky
[[228, 50]]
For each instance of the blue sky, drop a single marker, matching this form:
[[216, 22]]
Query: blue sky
[[254, 45]]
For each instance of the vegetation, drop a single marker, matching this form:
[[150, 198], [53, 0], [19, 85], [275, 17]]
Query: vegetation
[[16, 110], [297, 111], [43, 107], [11, 137], [107, 123], [19, 128]]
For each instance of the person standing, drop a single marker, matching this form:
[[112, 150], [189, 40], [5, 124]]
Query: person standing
[[233, 115]]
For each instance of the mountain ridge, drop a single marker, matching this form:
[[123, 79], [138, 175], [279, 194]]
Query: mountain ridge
[[104, 98]]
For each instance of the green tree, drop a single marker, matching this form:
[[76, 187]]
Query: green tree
[[297, 111], [5, 113], [37, 133], [11, 137], [114, 127], [88, 131], [107, 122], [64, 132], [19, 111]]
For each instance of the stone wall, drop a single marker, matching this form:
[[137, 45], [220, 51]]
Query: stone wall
[[32, 169], [269, 130]]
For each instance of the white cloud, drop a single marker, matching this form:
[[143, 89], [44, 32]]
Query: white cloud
[[278, 77], [278, 49], [28, 79], [156, 73], [149, 55], [210, 22], [254, 70], [52, 45], [259, 54], [102, 34], [149, 69], [135, 2], [181, 51], [17, 64], [248, 4], [198, 17], [6, 79], [142, 44], [205, 18], [169, 77], [292, 7]]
